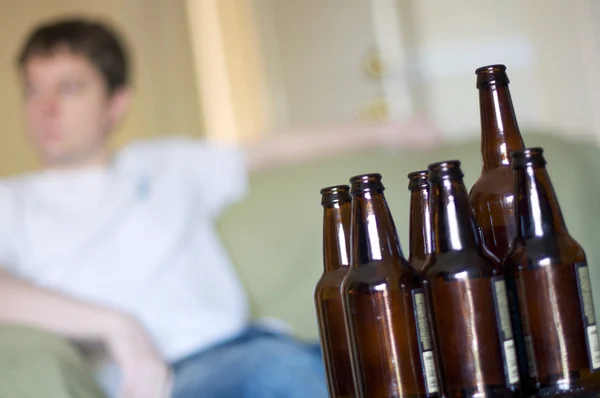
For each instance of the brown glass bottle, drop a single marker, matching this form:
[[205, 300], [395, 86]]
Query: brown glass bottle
[[466, 297], [492, 194], [337, 210], [420, 223], [384, 304], [549, 272]]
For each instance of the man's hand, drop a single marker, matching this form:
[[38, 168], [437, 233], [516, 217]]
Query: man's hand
[[145, 373]]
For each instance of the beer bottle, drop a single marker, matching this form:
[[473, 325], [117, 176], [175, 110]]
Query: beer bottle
[[466, 296], [492, 194], [337, 209], [420, 226], [391, 348], [549, 271]]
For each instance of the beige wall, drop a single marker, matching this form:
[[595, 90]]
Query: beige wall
[[315, 51], [541, 42], [165, 93]]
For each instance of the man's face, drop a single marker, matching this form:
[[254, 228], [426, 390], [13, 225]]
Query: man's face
[[69, 110]]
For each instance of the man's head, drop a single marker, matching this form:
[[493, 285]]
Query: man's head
[[75, 74]]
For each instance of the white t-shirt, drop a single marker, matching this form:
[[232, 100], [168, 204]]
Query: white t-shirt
[[138, 235]]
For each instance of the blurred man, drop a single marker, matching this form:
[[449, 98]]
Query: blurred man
[[121, 249]]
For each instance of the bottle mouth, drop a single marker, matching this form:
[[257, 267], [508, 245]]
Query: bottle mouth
[[366, 183], [335, 194], [418, 180], [445, 169], [491, 68], [491, 75], [533, 156]]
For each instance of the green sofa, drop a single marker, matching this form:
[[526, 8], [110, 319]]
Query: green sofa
[[274, 236], [274, 239]]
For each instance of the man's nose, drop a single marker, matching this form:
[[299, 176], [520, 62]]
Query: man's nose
[[48, 105]]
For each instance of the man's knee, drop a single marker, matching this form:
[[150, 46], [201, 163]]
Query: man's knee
[[35, 364]]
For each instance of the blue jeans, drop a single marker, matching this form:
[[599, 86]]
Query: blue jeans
[[256, 364]]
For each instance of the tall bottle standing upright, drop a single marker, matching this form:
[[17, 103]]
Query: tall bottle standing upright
[[466, 296], [492, 194], [391, 349], [337, 211], [551, 275], [420, 222]]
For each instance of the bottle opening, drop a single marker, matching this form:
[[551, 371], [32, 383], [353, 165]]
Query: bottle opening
[[335, 194], [366, 183], [418, 180], [491, 68], [445, 169], [528, 157], [491, 75]]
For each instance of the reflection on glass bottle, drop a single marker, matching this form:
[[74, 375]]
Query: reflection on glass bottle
[[466, 295], [420, 219], [492, 194], [337, 209], [549, 273], [391, 348]]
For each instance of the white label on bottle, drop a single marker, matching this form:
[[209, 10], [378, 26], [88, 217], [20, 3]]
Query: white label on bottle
[[592, 336], [589, 318], [503, 309], [507, 342], [430, 372], [422, 321], [511, 361], [425, 343]]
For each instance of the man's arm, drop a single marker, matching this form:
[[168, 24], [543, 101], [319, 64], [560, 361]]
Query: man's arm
[[145, 373], [26, 304], [304, 145]]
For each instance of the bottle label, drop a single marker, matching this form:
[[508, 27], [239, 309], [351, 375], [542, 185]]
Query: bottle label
[[425, 344], [530, 356], [584, 289], [509, 354], [521, 291], [525, 355]]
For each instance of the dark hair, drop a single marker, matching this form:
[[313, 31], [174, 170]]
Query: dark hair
[[97, 42]]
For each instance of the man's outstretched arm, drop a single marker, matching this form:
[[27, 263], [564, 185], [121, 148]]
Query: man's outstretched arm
[[307, 144]]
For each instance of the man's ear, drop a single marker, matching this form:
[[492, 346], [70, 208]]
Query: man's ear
[[118, 106]]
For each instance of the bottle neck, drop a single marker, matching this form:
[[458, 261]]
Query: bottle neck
[[374, 236], [537, 212], [336, 236], [454, 226], [420, 226], [500, 133]]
